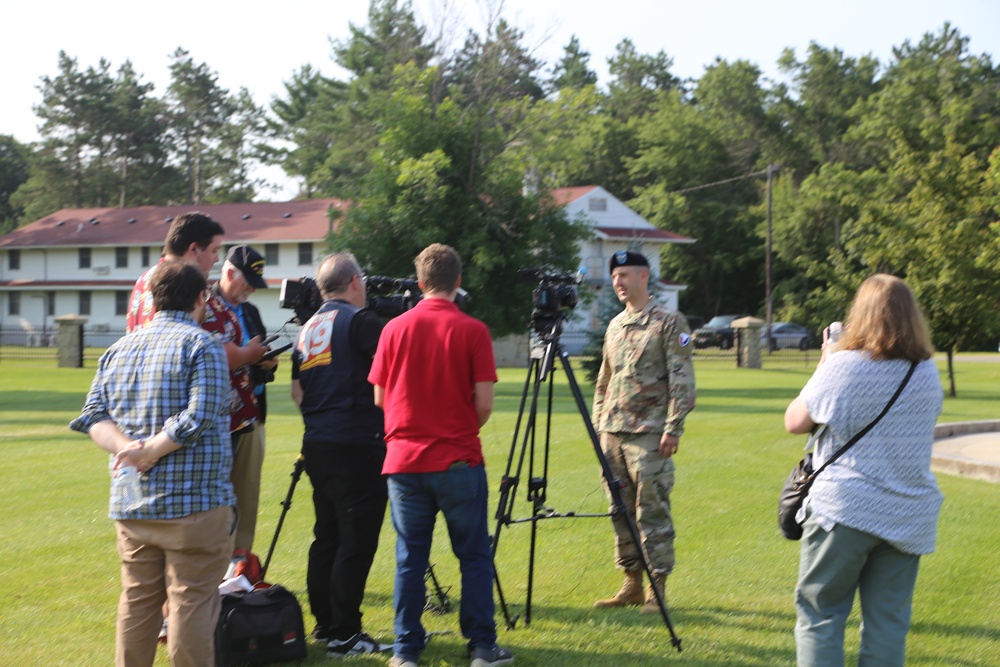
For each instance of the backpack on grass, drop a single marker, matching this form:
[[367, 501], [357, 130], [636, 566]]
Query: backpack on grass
[[259, 627]]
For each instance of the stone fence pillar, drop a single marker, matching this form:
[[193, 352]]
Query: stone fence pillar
[[70, 340], [748, 341]]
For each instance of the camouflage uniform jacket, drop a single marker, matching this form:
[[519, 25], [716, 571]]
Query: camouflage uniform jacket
[[646, 381]]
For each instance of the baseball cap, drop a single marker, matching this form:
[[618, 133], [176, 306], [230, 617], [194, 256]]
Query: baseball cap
[[249, 262]]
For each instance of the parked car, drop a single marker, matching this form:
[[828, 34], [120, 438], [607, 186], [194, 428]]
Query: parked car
[[694, 321], [786, 335], [717, 333]]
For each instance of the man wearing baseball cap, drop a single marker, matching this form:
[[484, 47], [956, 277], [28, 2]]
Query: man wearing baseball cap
[[644, 391], [237, 323]]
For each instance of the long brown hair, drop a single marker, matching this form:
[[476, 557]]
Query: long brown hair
[[886, 321]]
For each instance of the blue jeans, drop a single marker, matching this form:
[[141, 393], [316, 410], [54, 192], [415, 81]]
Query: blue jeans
[[415, 499], [833, 567]]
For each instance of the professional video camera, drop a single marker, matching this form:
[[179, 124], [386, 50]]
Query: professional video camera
[[302, 296], [390, 297], [555, 295]]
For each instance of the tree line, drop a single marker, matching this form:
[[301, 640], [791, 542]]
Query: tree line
[[878, 166]]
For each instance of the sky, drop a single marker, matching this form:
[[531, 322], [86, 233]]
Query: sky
[[259, 45]]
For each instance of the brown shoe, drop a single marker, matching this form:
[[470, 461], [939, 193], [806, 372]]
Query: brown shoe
[[651, 606], [630, 594]]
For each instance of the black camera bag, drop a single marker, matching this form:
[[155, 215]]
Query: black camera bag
[[259, 627]]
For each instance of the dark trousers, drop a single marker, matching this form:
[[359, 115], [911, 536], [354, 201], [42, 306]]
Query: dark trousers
[[349, 496]]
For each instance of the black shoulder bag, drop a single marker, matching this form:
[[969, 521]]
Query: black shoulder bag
[[796, 487]]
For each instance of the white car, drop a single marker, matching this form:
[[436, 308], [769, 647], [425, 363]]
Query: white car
[[786, 335]]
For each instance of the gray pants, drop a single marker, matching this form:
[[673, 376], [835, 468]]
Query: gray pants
[[832, 567], [647, 479]]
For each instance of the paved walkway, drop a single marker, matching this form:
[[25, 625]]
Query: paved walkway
[[968, 449]]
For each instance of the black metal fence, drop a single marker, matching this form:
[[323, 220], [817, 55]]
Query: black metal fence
[[21, 344]]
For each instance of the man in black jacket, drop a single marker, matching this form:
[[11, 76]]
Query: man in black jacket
[[344, 448]]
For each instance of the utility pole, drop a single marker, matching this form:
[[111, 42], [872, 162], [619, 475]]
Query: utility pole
[[771, 168]]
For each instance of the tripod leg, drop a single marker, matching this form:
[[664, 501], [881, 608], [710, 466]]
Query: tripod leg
[[616, 495], [286, 504], [508, 485]]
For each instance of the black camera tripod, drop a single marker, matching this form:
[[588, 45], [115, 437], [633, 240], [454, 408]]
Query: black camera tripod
[[441, 606], [548, 326]]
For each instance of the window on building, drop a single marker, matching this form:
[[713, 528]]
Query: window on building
[[305, 254], [271, 254], [598, 204], [84, 258], [121, 257], [50, 303], [145, 256], [13, 303], [121, 303], [84, 308], [14, 259]]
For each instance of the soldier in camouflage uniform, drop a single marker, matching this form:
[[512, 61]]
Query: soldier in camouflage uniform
[[644, 391]]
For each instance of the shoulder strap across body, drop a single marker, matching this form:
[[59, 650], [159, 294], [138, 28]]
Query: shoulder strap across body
[[860, 434]]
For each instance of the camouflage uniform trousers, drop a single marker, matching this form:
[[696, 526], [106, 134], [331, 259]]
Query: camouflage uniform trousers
[[647, 479]]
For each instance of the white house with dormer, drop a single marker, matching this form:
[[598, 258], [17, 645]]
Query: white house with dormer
[[616, 227]]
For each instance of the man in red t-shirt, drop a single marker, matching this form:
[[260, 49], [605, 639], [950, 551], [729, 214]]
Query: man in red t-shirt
[[433, 374]]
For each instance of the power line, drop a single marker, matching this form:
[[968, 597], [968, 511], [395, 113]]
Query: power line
[[711, 185]]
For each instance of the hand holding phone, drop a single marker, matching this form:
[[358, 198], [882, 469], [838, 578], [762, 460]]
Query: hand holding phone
[[271, 354]]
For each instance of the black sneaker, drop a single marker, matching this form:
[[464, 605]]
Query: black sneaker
[[491, 657], [357, 645], [321, 634]]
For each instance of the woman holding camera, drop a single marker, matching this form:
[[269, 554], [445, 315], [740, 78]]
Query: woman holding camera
[[870, 515]]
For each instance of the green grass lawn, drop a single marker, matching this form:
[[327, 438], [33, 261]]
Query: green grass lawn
[[730, 597]]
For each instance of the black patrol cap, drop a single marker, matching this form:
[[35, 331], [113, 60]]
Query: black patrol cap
[[628, 258]]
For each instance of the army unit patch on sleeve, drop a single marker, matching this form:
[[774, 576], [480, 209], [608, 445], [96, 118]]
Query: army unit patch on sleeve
[[684, 338]]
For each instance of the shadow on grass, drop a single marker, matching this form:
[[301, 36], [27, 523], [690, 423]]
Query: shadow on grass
[[46, 400], [692, 626]]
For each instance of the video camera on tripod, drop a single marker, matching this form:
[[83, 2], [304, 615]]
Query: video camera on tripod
[[555, 296]]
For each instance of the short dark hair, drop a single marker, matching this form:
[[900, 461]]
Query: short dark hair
[[193, 227], [438, 268], [176, 285]]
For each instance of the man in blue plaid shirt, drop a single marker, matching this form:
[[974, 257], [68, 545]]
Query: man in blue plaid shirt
[[160, 401]]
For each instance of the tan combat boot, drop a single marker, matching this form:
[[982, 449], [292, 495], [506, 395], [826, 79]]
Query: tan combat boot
[[651, 606], [630, 594]]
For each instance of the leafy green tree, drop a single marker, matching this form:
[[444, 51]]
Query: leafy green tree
[[136, 132], [330, 125], [306, 124], [636, 79], [13, 174], [821, 105], [200, 110], [678, 154], [923, 144], [240, 149], [572, 70], [76, 110], [438, 177]]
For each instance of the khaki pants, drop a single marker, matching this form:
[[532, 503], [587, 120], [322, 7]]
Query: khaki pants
[[182, 561], [248, 457]]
